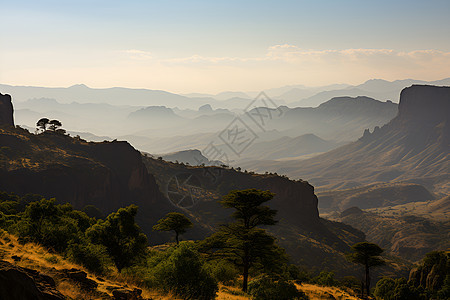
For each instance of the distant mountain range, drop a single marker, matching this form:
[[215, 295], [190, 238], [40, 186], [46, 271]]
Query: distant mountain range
[[293, 95]]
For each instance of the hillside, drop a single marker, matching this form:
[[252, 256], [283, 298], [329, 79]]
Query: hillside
[[110, 175], [373, 196], [413, 147], [401, 234]]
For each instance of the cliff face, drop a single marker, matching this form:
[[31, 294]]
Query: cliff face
[[425, 105], [6, 111], [108, 175]]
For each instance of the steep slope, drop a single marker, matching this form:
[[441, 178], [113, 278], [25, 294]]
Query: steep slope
[[373, 196], [414, 146]]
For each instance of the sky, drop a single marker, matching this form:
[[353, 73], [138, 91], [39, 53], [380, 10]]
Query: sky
[[214, 46]]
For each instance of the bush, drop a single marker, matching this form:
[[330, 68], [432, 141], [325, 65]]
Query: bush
[[93, 257], [267, 287], [184, 274], [223, 272], [325, 278]]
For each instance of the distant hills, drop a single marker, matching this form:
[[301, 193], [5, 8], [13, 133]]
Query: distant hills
[[375, 88], [293, 95]]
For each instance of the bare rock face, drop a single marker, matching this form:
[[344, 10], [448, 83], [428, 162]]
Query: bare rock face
[[424, 104], [6, 111]]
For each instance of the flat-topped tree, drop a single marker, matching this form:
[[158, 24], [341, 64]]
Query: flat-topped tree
[[174, 221], [54, 125], [42, 124]]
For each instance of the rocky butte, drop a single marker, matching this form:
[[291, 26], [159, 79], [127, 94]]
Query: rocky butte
[[6, 111]]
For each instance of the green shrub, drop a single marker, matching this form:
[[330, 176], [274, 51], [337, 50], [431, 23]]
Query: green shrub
[[266, 287], [184, 275], [223, 271], [397, 289], [325, 278], [93, 257]]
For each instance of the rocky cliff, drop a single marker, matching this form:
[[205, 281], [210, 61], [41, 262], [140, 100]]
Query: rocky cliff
[[6, 111]]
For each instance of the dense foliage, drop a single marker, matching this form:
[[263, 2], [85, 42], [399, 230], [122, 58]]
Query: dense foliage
[[429, 280], [267, 287]]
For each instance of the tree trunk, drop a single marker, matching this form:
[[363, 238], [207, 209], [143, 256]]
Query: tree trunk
[[245, 275], [246, 267], [362, 289], [176, 237], [367, 281]]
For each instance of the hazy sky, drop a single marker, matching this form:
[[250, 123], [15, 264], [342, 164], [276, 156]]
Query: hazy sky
[[212, 46]]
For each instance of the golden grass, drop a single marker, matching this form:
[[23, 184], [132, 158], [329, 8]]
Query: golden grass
[[324, 292], [230, 293], [36, 257]]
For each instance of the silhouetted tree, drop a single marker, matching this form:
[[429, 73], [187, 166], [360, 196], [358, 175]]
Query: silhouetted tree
[[242, 242], [42, 124], [174, 222], [54, 124], [122, 237], [367, 254]]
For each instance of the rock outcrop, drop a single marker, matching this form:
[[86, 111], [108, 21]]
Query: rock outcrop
[[23, 283], [6, 111]]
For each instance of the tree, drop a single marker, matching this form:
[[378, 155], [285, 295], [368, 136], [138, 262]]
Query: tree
[[174, 222], [54, 124], [42, 123], [366, 254], [122, 237], [242, 242]]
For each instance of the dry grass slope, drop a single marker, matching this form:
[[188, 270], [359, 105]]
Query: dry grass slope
[[36, 257]]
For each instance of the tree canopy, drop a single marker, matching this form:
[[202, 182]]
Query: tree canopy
[[174, 221]]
